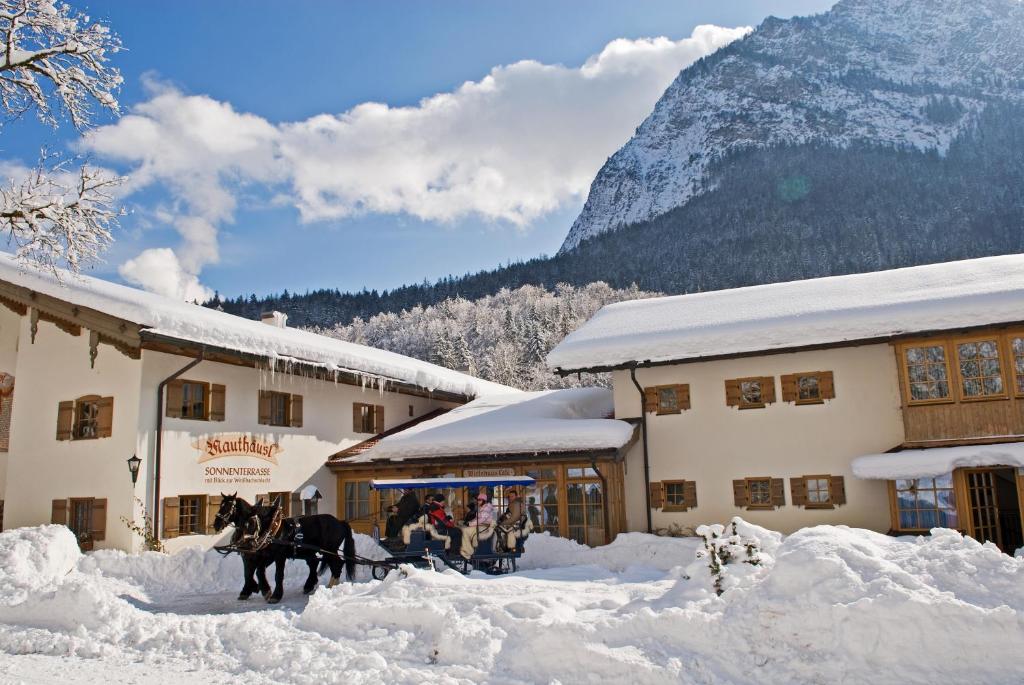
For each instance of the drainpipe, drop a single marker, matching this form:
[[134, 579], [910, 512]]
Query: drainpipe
[[647, 464], [604, 500], [160, 436]]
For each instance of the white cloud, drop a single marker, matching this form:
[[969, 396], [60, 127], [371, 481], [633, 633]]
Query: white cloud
[[158, 270], [511, 147]]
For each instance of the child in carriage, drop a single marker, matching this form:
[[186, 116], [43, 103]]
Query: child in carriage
[[480, 528], [442, 521]]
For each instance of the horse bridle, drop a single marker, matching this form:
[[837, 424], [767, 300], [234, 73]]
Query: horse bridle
[[229, 517]]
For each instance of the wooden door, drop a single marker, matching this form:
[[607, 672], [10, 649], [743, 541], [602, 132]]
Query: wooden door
[[983, 501]]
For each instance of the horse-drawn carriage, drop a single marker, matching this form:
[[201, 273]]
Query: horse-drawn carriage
[[263, 537], [421, 541]]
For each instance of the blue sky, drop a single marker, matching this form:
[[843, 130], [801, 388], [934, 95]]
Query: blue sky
[[255, 164]]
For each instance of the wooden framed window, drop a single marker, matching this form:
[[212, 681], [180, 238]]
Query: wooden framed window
[[818, 492], [280, 409], [86, 418], [750, 393], [357, 500], [85, 516], [195, 400], [674, 495], [981, 374], [759, 492], [921, 504], [191, 514], [808, 387], [926, 369], [1017, 353], [667, 399], [367, 418]]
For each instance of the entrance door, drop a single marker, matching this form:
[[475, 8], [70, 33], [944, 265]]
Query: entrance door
[[995, 507]]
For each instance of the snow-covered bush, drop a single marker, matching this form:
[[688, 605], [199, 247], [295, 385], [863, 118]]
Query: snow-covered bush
[[723, 545]]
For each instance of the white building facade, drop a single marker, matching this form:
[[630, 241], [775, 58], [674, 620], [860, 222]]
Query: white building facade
[[98, 373]]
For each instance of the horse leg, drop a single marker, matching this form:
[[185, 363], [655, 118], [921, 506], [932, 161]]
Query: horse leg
[[261, 576], [311, 582], [278, 580], [249, 585], [335, 564]]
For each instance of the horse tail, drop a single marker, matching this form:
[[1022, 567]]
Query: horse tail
[[349, 551]]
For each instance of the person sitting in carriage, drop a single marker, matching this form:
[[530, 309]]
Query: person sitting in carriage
[[408, 508], [514, 523], [480, 528], [443, 522]]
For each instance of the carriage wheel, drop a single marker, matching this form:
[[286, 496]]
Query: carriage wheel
[[378, 572]]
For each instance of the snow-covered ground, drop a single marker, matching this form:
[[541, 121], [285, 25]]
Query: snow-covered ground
[[827, 604]]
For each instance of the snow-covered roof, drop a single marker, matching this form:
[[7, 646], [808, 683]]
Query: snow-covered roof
[[799, 313], [526, 422], [936, 461], [193, 323]]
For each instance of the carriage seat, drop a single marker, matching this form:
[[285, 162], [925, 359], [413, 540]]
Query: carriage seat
[[421, 535]]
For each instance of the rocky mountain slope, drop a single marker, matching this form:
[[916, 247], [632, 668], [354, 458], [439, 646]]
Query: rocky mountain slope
[[904, 74]]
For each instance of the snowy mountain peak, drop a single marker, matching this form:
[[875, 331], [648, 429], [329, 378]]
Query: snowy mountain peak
[[900, 73]]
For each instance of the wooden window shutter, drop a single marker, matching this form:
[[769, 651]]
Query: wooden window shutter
[[357, 417], [218, 396], [65, 420], [650, 400], [837, 490], [732, 396], [105, 417], [264, 414], [99, 519], [739, 493], [203, 506], [171, 507], [212, 507], [657, 490], [798, 491], [295, 415], [768, 389], [778, 492], [683, 395], [690, 494], [295, 505], [59, 512], [174, 399], [789, 389], [378, 419], [827, 386]]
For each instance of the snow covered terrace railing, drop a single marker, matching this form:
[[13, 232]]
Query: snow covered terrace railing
[[799, 314], [937, 461], [551, 421], [163, 317]]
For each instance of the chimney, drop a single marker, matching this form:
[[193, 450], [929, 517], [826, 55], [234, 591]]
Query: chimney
[[275, 319]]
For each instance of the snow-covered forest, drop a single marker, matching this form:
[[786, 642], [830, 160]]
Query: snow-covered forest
[[503, 337]]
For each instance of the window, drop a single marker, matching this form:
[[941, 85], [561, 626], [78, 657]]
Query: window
[[750, 393], [667, 399], [310, 506], [193, 400], [86, 418], [759, 492], [85, 516], [357, 499], [1017, 347], [818, 492], [411, 411], [367, 418], [542, 500], [280, 409], [926, 503], [284, 498], [927, 373], [980, 372], [190, 515], [585, 512], [674, 495], [808, 387]]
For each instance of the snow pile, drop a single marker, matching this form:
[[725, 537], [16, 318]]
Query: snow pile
[[182, 321], [24, 571], [827, 604], [936, 461], [521, 422], [799, 313]]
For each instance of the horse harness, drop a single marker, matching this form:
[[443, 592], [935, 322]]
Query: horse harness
[[259, 538]]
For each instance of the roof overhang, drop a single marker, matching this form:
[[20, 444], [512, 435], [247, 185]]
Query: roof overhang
[[937, 461], [855, 342]]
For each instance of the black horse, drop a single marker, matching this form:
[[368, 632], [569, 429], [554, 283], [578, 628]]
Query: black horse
[[262, 538]]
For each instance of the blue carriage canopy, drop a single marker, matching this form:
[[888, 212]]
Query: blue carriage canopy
[[425, 483]]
